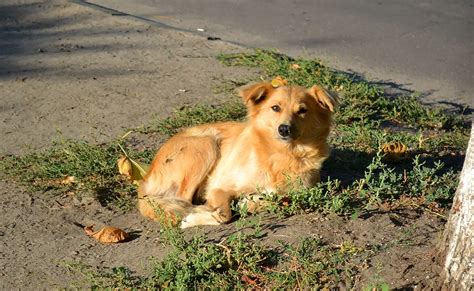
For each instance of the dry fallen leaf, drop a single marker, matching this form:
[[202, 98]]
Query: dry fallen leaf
[[248, 280], [68, 180], [133, 170], [125, 166], [394, 152], [278, 82], [285, 201], [107, 234], [295, 66], [339, 88]]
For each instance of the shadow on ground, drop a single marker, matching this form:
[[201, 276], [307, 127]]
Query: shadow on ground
[[349, 165], [30, 43]]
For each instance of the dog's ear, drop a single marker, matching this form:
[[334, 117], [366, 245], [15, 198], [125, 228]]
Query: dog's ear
[[326, 99], [255, 93]]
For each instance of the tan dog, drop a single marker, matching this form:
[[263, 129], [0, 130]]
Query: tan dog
[[283, 140]]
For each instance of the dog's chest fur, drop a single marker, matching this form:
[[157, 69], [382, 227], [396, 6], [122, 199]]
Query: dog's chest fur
[[246, 167]]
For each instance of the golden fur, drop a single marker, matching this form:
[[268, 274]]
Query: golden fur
[[198, 172]]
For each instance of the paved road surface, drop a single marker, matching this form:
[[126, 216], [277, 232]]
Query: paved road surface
[[423, 45]]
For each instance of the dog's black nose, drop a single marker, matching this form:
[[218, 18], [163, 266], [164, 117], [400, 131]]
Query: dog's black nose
[[284, 130]]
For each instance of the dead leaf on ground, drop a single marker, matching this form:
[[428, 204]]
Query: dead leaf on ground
[[125, 166], [394, 152], [285, 201], [295, 66], [133, 170], [339, 88], [68, 180], [107, 234], [248, 280], [279, 82]]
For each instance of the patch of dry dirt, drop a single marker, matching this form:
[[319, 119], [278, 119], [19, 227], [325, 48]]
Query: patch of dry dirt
[[90, 75]]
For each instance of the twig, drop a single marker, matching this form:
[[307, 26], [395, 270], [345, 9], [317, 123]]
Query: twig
[[227, 251]]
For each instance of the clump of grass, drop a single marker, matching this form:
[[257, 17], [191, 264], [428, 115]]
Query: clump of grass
[[238, 261], [187, 116], [311, 264], [94, 168], [100, 278], [381, 184], [198, 263]]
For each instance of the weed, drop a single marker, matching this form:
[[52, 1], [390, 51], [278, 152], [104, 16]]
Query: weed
[[381, 286], [192, 115], [237, 261], [380, 184], [93, 166], [99, 278]]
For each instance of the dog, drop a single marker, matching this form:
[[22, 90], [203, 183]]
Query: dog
[[198, 172]]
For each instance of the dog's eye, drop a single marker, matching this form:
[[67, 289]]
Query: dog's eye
[[302, 110], [276, 108]]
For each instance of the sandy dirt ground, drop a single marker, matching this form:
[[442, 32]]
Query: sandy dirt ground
[[70, 71], [86, 74]]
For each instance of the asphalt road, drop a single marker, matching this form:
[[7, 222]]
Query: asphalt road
[[423, 45]]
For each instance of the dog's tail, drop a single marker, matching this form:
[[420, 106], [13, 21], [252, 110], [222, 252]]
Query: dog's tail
[[165, 206]]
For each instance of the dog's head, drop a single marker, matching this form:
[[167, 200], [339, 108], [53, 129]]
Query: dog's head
[[290, 114]]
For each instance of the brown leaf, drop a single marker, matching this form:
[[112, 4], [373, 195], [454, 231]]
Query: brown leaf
[[107, 234], [125, 166], [133, 170], [394, 152], [279, 82], [89, 230], [62, 181], [248, 281], [295, 66], [68, 180], [285, 201]]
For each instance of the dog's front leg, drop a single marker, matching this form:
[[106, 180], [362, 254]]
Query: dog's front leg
[[220, 201], [216, 210]]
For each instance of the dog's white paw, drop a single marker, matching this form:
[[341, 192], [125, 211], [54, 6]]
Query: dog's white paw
[[202, 218]]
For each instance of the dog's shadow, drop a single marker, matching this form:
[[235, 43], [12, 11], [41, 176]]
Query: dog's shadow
[[346, 166]]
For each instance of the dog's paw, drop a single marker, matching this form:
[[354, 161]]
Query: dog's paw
[[202, 218]]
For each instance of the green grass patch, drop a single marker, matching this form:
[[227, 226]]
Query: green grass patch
[[380, 186], [94, 168], [238, 261], [187, 116]]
